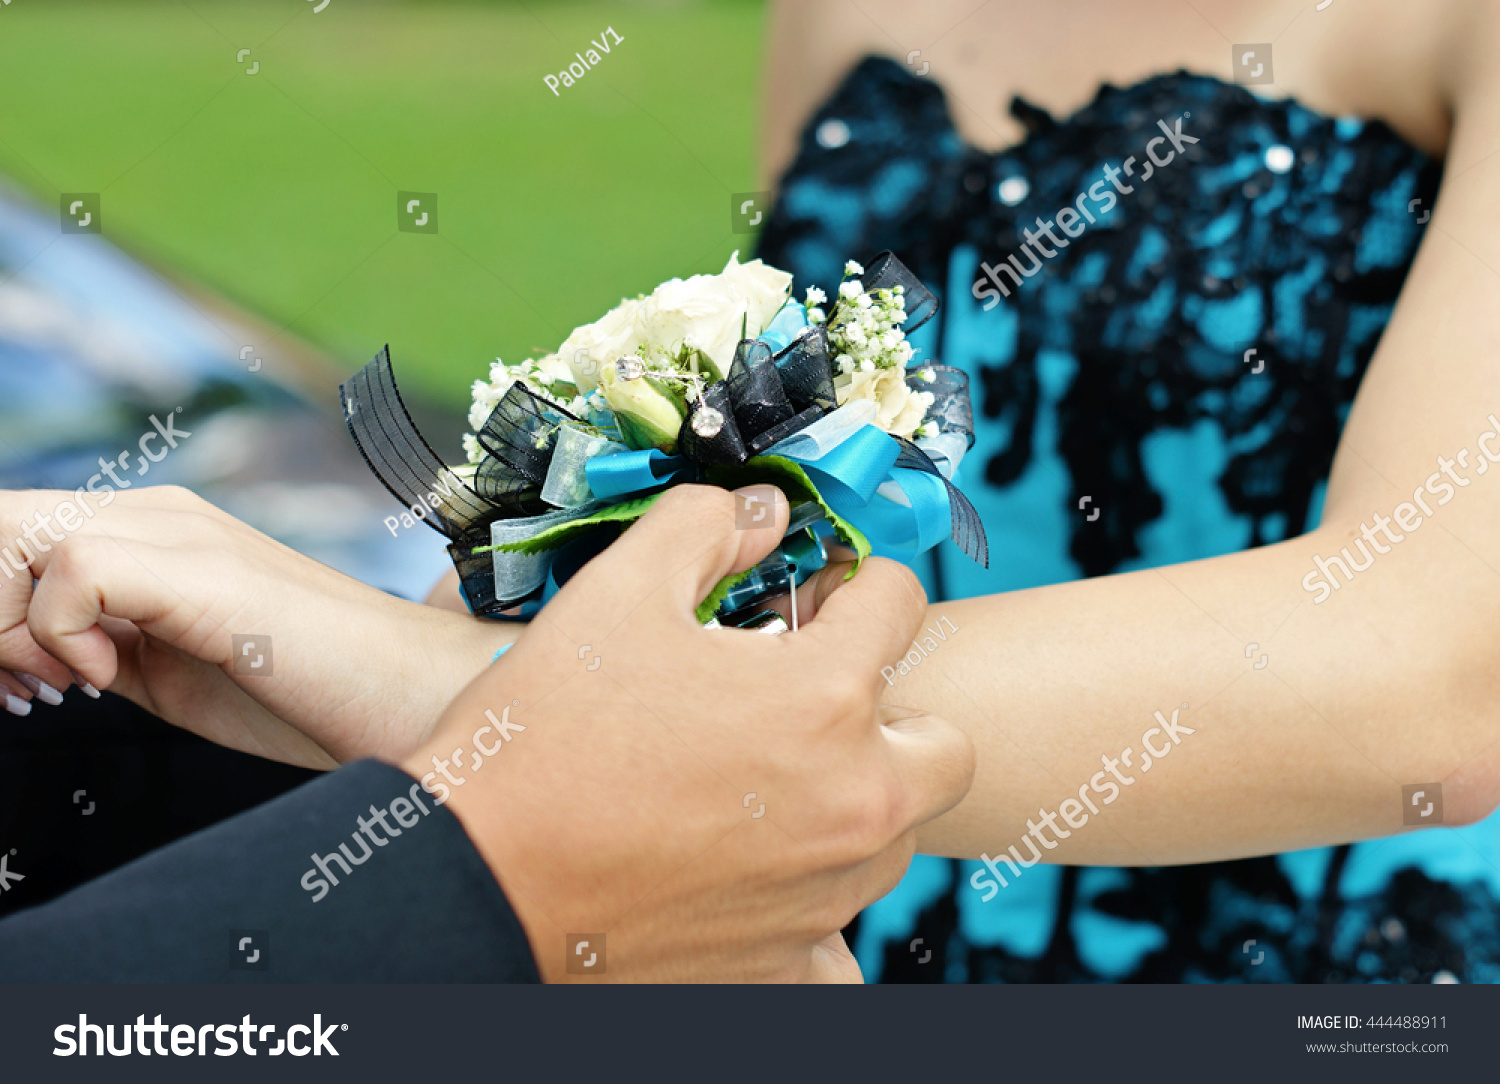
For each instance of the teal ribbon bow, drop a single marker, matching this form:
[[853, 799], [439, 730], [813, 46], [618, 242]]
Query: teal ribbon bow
[[624, 473], [850, 460]]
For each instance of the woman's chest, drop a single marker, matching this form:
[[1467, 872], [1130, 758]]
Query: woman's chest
[[1377, 62]]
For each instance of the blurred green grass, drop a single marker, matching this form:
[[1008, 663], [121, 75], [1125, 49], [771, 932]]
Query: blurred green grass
[[278, 189]]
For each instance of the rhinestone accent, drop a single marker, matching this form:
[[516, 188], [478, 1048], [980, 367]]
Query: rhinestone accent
[[707, 422]]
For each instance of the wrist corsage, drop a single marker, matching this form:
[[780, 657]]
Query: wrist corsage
[[722, 379]]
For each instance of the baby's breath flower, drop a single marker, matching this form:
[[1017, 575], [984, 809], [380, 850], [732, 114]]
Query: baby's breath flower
[[472, 451], [871, 353], [815, 296], [852, 268]]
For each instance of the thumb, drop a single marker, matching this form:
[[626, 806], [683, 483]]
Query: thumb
[[832, 962], [689, 540]]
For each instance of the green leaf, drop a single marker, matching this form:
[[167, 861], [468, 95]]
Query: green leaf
[[709, 606], [561, 533]]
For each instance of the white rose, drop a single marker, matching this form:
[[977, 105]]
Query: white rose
[[702, 311], [763, 288], [899, 410], [711, 311], [648, 414], [595, 345]]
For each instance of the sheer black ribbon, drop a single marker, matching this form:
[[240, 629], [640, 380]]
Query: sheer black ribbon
[[886, 272], [967, 528], [407, 466]]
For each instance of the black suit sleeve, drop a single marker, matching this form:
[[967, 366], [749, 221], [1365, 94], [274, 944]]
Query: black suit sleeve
[[292, 891]]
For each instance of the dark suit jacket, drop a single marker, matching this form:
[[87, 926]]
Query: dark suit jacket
[[296, 890]]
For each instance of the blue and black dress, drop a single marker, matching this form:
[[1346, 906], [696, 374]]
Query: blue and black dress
[[1160, 377]]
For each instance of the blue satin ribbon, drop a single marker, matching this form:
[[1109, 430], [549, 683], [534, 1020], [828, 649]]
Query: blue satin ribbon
[[789, 319], [849, 475], [623, 473]]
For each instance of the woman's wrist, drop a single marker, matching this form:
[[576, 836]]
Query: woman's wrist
[[425, 656]]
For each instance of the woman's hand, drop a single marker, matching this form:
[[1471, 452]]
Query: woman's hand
[[148, 591]]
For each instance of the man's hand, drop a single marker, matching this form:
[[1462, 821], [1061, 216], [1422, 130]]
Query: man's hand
[[146, 594], [716, 803]]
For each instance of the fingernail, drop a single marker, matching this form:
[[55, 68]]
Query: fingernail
[[87, 689], [40, 689], [16, 706]]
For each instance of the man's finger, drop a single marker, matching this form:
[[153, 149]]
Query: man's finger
[[689, 540], [872, 619]]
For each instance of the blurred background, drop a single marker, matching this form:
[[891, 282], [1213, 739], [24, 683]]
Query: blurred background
[[199, 212]]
